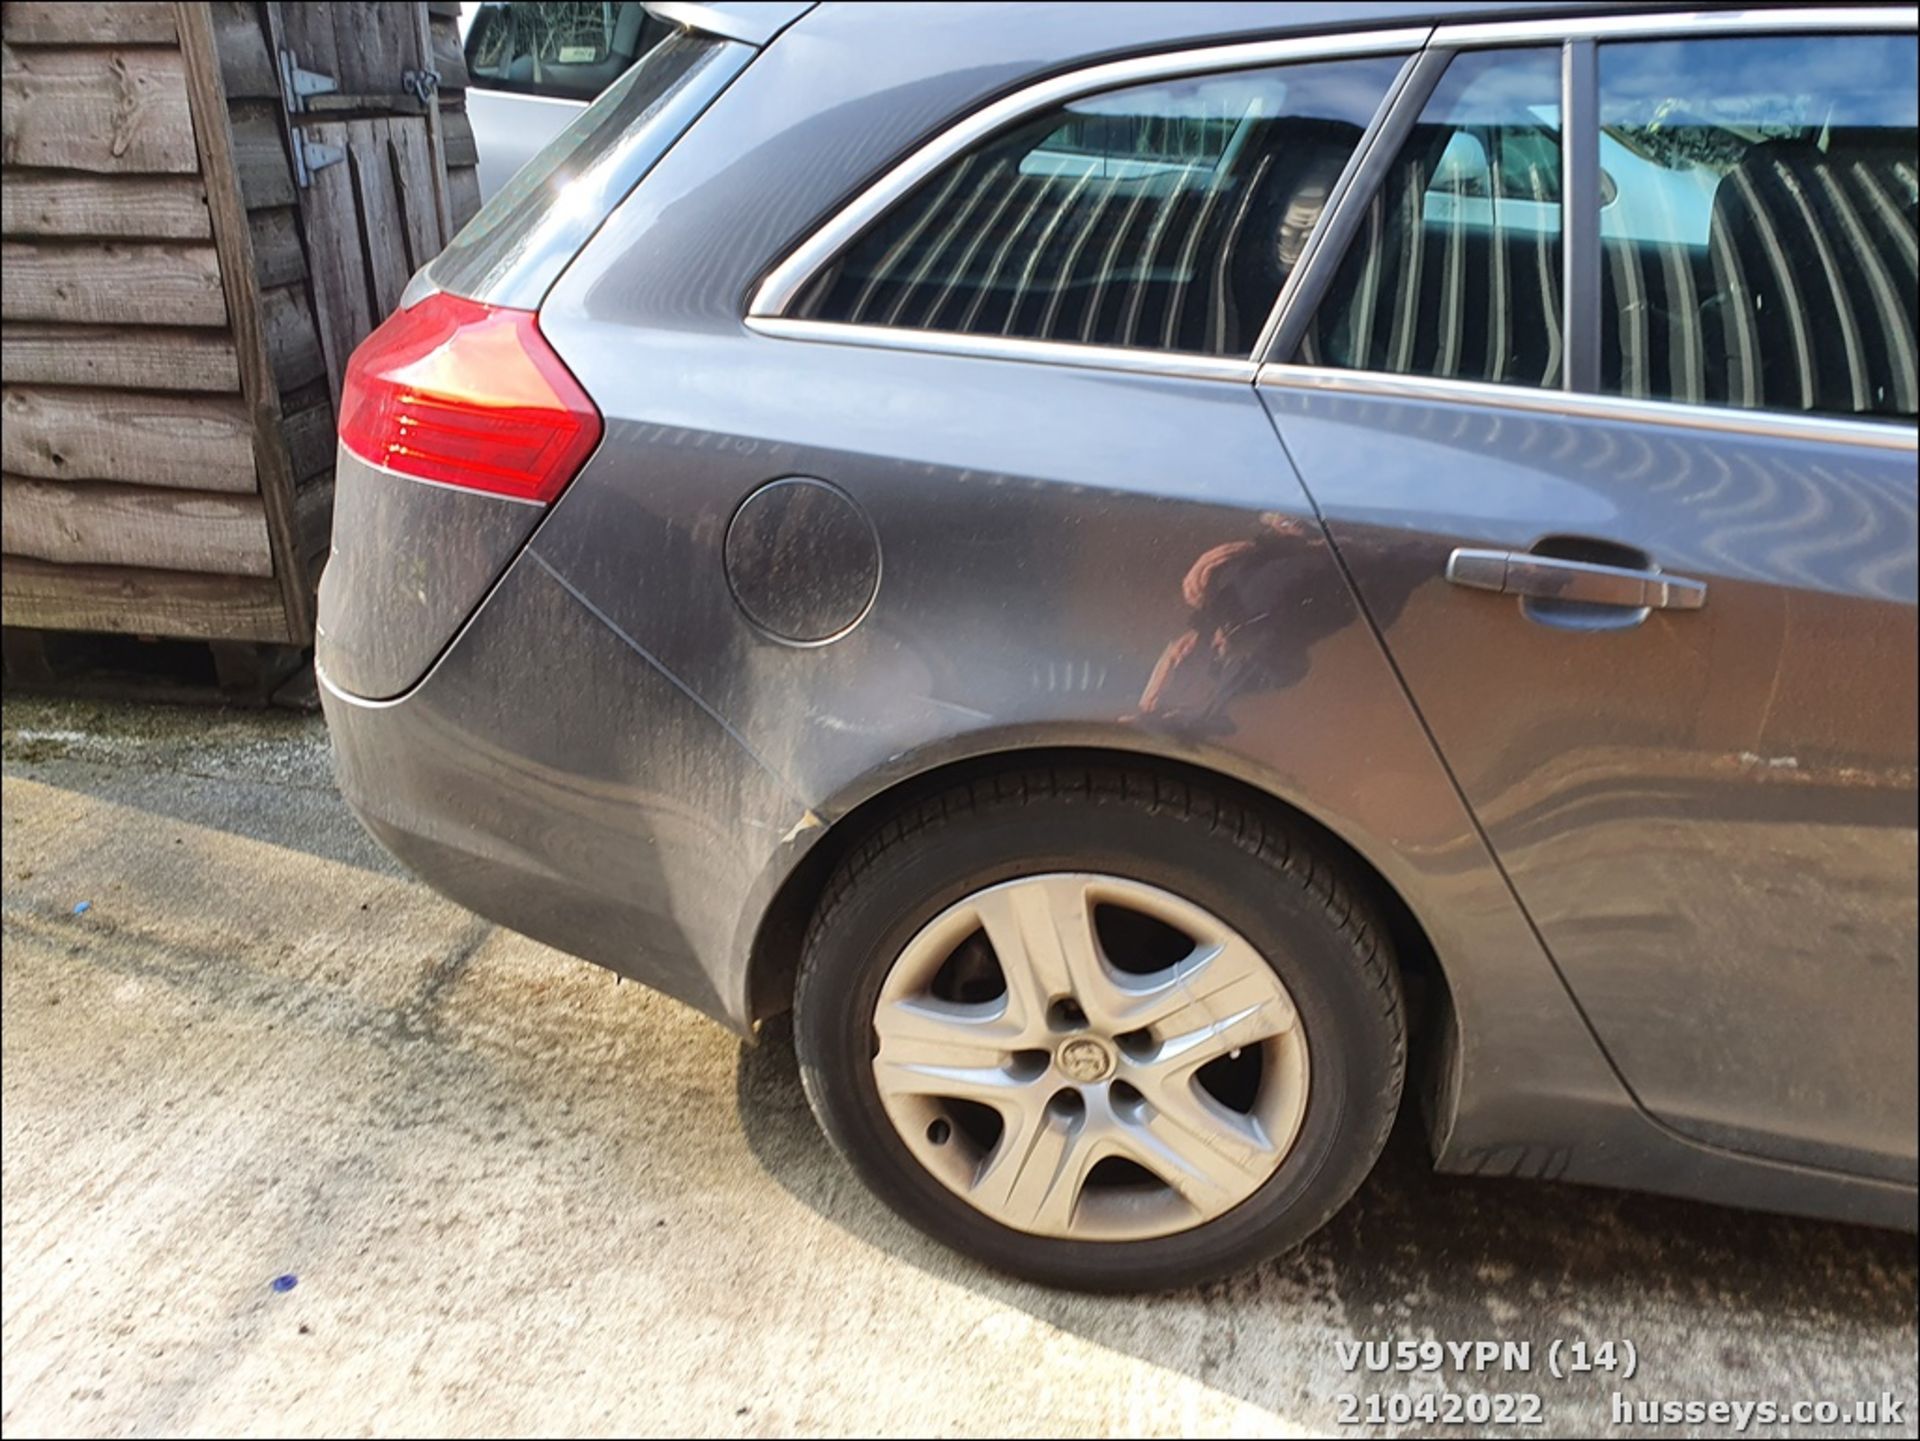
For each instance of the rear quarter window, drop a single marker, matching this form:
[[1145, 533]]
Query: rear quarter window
[[1161, 216], [514, 249]]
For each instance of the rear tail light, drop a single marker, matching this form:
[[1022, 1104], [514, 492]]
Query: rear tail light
[[467, 395]]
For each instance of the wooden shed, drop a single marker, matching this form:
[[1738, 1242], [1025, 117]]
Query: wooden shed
[[206, 207]]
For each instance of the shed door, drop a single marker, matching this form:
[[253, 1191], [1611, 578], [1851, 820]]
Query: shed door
[[362, 117]]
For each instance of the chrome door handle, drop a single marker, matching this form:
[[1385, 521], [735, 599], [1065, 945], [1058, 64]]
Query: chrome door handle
[[1545, 577]]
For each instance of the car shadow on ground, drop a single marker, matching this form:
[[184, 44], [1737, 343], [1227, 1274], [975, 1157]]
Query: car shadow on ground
[[1724, 1294]]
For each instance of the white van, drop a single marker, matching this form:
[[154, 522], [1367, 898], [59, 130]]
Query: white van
[[532, 67]]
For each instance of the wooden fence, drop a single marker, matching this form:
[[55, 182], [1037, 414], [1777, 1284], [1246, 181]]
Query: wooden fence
[[193, 244]]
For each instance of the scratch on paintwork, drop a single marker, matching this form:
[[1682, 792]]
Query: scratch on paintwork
[[1800, 772], [808, 821], [651, 659], [957, 708]]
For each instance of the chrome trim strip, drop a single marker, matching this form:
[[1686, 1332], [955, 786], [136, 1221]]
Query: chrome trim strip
[[787, 278], [1580, 318], [1683, 25], [1000, 347], [1879, 435], [347, 697], [751, 22]]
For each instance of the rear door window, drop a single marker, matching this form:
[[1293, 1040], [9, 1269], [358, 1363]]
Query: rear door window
[[1164, 216], [1760, 252], [1456, 269], [571, 50]]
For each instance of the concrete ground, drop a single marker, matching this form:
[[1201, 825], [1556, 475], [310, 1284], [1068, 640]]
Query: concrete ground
[[518, 1198]]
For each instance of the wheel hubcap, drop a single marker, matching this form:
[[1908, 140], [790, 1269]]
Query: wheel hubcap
[[1084, 1059], [1087, 1056]]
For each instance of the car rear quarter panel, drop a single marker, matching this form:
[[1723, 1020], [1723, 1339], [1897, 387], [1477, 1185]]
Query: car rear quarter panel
[[1049, 538]]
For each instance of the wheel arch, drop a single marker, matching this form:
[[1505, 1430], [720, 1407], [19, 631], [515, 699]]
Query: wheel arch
[[774, 950]]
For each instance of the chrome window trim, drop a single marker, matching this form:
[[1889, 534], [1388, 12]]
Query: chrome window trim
[[766, 307], [755, 23], [1581, 317], [787, 279], [1178, 364], [1775, 425], [1673, 25]]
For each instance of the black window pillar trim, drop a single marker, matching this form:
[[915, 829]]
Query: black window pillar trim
[[1580, 213], [1347, 206]]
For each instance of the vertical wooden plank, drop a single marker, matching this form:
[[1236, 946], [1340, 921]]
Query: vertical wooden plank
[[443, 33], [436, 142], [376, 43], [335, 257], [413, 177], [232, 237], [370, 152], [307, 29]]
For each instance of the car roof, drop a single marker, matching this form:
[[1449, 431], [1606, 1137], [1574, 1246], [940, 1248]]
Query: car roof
[[1202, 19], [758, 21]]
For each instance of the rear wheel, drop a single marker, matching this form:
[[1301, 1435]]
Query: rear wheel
[[1100, 1029]]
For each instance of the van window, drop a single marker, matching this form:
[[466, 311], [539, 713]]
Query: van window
[[571, 50], [1761, 252], [1162, 216]]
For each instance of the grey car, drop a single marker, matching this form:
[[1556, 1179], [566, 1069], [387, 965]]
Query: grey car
[[1174, 580]]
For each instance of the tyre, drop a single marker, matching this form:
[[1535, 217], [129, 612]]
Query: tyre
[[1100, 1029]]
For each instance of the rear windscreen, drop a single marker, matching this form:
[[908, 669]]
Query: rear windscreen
[[514, 249]]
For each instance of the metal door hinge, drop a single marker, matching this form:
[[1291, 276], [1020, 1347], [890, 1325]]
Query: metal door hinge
[[312, 155], [297, 85], [297, 88]]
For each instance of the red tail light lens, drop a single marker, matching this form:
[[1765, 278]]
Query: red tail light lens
[[468, 395]]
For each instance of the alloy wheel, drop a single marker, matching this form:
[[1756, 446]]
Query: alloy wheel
[[1090, 1057]]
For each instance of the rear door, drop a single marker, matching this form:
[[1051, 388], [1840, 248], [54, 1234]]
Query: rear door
[[1638, 526]]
